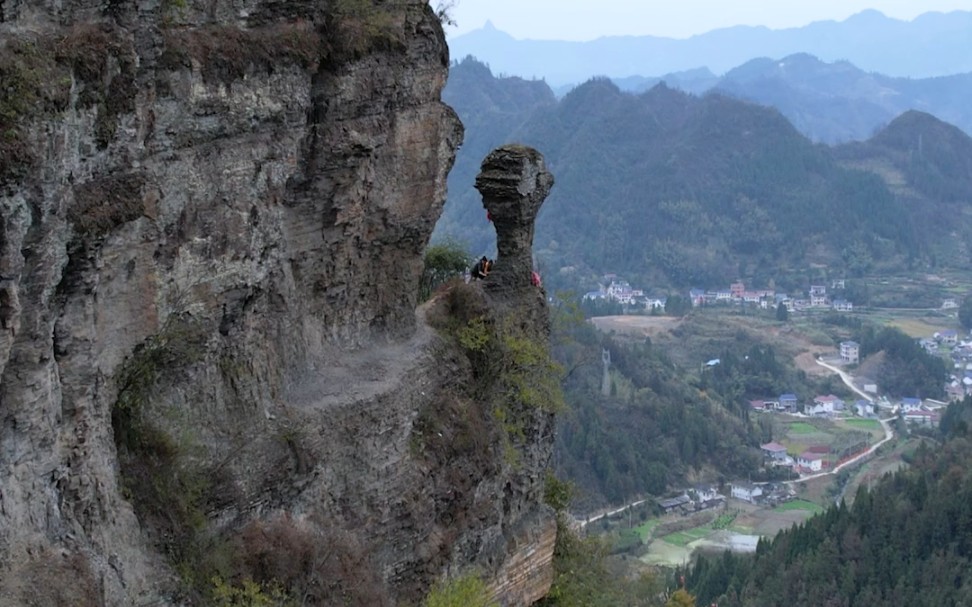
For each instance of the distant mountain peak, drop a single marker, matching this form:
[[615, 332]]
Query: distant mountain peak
[[927, 46], [868, 14]]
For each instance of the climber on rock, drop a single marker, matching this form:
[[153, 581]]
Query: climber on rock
[[482, 268]]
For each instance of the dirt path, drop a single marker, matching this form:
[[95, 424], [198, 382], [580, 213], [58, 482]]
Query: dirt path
[[354, 375]]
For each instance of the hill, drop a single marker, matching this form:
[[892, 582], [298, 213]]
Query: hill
[[838, 102], [907, 541], [672, 189]]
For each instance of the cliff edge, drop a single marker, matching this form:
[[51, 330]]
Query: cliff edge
[[212, 364]]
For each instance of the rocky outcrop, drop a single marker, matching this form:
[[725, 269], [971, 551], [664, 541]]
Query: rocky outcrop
[[514, 182], [212, 216]]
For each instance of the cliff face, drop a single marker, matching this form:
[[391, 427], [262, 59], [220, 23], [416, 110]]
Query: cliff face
[[212, 215]]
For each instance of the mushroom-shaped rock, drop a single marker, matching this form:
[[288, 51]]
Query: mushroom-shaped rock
[[514, 182]]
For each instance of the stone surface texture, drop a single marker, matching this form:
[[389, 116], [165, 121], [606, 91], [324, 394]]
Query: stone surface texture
[[212, 218]]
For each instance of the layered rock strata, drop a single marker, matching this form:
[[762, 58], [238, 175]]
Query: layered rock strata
[[212, 218]]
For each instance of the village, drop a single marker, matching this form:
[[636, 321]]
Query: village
[[620, 291], [818, 435]]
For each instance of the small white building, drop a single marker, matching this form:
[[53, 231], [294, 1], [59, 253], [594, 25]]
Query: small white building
[[808, 460], [864, 408], [746, 491], [850, 352]]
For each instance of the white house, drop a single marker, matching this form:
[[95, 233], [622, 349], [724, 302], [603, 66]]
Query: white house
[[864, 408], [745, 491], [824, 406], [910, 404], [849, 352], [818, 301], [842, 305], [811, 461], [920, 417]]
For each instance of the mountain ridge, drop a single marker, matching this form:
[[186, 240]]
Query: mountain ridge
[[672, 189], [893, 47]]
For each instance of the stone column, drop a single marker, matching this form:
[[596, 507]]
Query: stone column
[[514, 183]]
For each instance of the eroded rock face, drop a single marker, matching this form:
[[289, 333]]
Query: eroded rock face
[[211, 223], [514, 182]]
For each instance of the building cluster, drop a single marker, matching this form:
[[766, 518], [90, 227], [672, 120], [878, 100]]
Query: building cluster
[[620, 291], [615, 289], [706, 497], [737, 293], [826, 405], [765, 494], [694, 499], [958, 351]]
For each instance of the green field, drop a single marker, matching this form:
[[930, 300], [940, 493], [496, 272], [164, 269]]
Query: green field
[[863, 424], [684, 538], [800, 428], [799, 505], [644, 529]]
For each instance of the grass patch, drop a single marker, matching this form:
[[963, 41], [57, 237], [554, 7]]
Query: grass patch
[[645, 529], [863, 424], [680, 539], [800, 428], [684, 538], [799, 505]]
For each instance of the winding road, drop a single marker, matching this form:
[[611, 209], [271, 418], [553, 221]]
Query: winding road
[[849, 381], [885, 423]]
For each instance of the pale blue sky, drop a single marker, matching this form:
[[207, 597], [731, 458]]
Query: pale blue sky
[[589, 19]]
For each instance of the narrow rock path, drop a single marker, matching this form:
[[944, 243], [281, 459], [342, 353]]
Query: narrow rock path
[[351, 376]]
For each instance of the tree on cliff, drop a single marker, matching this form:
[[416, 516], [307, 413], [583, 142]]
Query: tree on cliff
[[442, 262]]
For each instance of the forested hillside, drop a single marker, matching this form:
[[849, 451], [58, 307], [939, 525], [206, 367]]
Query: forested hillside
[[663, 424], [671, 189], [653, 429], [907, 541]]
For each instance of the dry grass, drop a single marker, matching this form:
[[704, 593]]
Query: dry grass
[[637, 326], [311, 564], [917, 327], [101, 205], [51, 579], [225, 53]]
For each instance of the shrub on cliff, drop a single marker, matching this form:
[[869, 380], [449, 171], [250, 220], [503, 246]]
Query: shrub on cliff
[[443, 261], [465, 591]]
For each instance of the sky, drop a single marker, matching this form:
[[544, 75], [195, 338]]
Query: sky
[[590, 19]]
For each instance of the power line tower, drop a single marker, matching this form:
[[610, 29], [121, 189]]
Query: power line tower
[[606, 381]]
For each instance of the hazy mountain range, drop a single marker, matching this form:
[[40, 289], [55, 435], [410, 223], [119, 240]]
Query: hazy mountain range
[[828, 102], [933, 44]]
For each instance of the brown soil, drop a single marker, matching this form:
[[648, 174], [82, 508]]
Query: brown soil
[[636, 326]]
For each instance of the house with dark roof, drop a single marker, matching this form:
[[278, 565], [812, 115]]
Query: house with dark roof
[[774, 451]]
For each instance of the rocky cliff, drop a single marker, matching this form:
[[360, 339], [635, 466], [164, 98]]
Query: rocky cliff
[[212, 367]]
